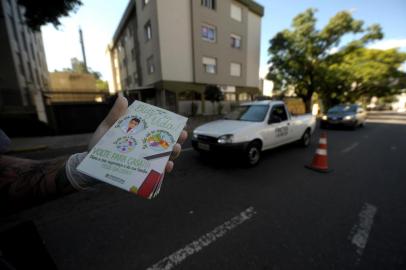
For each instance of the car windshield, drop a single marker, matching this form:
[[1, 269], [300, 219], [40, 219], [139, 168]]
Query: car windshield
[[343, 109], [252, 113]]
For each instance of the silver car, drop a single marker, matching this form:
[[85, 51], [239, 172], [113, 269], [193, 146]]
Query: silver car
[[351, 115]]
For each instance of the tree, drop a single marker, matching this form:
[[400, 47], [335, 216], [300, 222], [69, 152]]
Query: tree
[[213, 94], [300, 58], [370, 72], [40, 12]]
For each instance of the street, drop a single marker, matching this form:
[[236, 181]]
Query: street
[[213, 214]]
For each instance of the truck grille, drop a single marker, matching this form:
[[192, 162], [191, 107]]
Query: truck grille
[[207, 139]]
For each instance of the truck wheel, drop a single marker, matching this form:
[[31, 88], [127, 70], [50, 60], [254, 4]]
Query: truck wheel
[[253, 154], [306, 138]]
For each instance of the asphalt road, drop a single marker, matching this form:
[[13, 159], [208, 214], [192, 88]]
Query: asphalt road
[[213, 214]]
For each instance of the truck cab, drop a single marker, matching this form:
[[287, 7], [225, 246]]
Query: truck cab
[[253, 127]]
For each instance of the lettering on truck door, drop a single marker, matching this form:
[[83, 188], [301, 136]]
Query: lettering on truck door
[[283, 132]]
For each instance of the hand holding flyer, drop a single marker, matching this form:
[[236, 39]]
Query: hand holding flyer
[[133, 153]]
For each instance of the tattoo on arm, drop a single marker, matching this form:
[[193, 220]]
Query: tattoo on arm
[[25, 183]]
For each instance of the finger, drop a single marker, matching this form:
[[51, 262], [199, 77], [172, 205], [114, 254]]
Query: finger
[[119, 109], [182, 137], [175, 151], [169, 166]]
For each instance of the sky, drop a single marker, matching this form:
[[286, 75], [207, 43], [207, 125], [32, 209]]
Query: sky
[[99, 19]]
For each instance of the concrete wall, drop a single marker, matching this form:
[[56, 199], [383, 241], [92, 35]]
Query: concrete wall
[[253, 49], [175, 35], [23, 68]]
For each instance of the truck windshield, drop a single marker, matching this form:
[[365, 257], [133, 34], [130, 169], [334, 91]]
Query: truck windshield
[[252, 113], [343, 109]]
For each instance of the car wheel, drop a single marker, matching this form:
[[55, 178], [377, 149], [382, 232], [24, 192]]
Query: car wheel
[[253, 154], [306, 138]]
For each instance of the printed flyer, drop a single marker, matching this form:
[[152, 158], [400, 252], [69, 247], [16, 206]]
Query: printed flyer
[[133, 153]]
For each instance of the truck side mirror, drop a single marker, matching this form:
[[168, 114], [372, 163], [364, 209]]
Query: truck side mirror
[[274, 119]]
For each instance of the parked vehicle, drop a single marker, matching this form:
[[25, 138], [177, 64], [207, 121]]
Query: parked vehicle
[[254, 127], [351, 115]]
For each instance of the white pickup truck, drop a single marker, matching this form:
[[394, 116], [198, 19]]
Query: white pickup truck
[[254, 127]]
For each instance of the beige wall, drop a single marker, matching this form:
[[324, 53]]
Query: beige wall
[[221, 49], [151, 47], [178, 48], [253, 49], [69, 81], [175, 35]]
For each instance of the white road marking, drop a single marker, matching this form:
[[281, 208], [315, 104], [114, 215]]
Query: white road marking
[[349, 148], [360, 232], [393, 148], [178, 256], [187, 149]]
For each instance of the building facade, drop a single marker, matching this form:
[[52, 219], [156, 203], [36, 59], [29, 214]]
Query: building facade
[[165, 50], [23, 67]]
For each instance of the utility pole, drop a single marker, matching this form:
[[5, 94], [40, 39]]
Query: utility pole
[[82, 44]]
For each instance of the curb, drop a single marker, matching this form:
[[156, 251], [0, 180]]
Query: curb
[[28, 149]]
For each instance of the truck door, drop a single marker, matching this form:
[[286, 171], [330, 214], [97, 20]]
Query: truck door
[[280, 123]]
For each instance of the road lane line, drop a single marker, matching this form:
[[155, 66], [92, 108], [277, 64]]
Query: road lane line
[[178, 256], [360, 232], [349, 148], [187, 149]]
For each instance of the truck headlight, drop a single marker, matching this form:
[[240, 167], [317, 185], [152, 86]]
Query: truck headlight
[[324, 117], [194, 135], [225, 139], [349, 117]]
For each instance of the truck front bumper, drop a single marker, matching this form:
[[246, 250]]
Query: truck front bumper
[[214, 147]]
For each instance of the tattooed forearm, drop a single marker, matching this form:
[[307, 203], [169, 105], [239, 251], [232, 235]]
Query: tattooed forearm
[[24, 183]]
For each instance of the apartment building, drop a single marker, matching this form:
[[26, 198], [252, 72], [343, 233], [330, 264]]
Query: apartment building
[[23, 68], [163, 50]]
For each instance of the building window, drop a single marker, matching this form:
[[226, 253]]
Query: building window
[[13, 26], [148, 31], [133, 54], [236, 12], [145, 2], [24, 41], [30, 72], [135, 76], [235, 41], [20, 64], [209, 65], [208, 33], [150, 65], [235, 69], [211, 4]]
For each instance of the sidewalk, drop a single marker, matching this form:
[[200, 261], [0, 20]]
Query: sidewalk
[[27, 144]]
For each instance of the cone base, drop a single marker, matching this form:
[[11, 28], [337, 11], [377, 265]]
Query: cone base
[[318, 169]]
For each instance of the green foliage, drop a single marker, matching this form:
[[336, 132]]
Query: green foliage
[[213, 93], [300, 58], [102, 85], [38, 13], [367, 73]]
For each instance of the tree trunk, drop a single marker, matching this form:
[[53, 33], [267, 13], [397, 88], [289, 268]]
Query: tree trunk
[[308, 104]]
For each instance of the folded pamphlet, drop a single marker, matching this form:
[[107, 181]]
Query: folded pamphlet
[[133, 153]]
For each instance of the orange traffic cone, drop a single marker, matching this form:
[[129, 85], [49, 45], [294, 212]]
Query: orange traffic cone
[[320, 163]]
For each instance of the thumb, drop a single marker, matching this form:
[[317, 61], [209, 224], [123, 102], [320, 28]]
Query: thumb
[[119, 109]]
